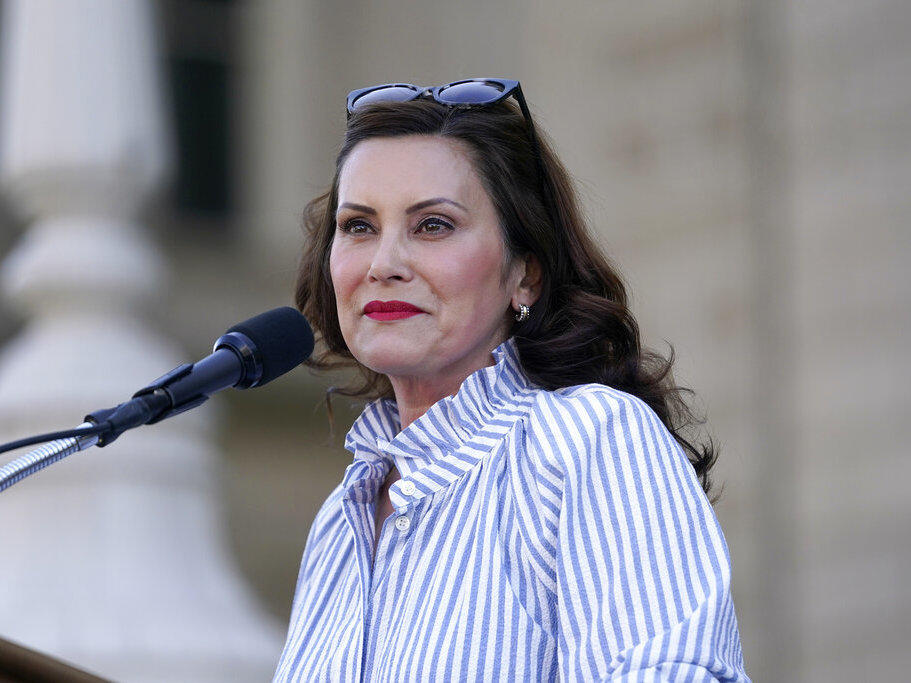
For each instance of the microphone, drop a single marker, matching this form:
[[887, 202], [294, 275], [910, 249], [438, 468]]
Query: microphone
[[249, 354]]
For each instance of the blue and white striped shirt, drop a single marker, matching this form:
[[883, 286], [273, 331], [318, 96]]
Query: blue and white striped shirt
[[537, 535]]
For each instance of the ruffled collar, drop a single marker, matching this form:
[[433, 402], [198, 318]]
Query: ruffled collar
[[444, 442]]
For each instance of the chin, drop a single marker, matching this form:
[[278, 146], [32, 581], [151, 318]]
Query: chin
[[391, 357], [396, 366]]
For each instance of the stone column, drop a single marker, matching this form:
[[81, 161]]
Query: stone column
[[112, 559]]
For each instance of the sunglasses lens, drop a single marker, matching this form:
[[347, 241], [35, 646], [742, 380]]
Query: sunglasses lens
[[472, 92], [392, 93]]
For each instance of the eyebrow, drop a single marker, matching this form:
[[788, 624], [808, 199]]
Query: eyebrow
[[411, 209]]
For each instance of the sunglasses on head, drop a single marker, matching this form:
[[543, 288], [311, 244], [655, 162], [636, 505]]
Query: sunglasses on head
[[465, 94]]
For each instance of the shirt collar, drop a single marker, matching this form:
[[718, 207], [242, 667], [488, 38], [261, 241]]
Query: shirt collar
[[448, 438]]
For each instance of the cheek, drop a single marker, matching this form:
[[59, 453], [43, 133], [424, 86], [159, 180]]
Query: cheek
[[343, 271], [485, 262], [474, 276]]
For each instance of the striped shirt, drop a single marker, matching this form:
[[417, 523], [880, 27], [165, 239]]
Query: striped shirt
[[537, 535]]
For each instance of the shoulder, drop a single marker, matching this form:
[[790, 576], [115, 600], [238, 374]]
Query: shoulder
[[586, 400], [577, 427]]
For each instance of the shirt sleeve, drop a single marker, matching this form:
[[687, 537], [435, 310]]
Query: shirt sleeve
[[642, 569]]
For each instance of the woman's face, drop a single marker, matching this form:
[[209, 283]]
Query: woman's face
[[414, 225]]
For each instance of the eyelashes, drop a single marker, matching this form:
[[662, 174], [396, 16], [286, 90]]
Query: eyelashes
[[428, 226]]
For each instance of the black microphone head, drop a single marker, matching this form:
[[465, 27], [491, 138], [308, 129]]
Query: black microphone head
[[282, 340]]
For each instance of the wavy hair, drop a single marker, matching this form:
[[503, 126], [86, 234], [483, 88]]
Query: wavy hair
[[580, 330]]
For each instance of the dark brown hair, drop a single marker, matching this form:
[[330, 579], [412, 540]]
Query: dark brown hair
[[580, 330]]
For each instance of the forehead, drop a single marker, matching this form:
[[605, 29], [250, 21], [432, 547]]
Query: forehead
[[410, 168]]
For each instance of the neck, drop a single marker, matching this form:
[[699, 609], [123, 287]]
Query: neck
[[414, 396]]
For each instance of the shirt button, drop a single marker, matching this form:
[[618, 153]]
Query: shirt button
[[402, 523], [408, 488]]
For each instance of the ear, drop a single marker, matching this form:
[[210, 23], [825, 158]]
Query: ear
[[529, 287]]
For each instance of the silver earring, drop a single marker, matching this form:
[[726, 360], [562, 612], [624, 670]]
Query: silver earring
[[523, 313]]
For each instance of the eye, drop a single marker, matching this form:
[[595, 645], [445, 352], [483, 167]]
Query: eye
[[434, 226], [355, 227]]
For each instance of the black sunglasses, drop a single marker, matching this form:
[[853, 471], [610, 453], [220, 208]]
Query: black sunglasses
[[465, 94]]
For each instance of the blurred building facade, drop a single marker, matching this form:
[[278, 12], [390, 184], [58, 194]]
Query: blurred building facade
[[745, 164]]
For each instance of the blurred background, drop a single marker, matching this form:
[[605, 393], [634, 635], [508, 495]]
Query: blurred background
[[746, 164]]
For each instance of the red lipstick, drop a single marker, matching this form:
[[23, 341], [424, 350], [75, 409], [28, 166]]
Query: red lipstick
[[390, 310]]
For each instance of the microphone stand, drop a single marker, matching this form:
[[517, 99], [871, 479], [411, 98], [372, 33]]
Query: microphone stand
[[54, 451]]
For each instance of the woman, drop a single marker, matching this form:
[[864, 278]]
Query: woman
[[521, 504]]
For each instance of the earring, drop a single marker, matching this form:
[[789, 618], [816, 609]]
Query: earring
[[523, 313]]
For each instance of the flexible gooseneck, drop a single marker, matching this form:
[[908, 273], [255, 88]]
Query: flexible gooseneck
[[54, 451]]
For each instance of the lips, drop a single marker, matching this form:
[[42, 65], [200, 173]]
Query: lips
[[390, 306], [390, 310]]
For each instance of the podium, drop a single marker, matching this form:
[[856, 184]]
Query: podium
[[18, 664]]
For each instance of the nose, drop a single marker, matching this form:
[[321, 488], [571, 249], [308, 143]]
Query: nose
[[390, 260]]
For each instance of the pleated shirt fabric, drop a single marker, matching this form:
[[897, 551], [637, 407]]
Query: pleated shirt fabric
[[537, 535]]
